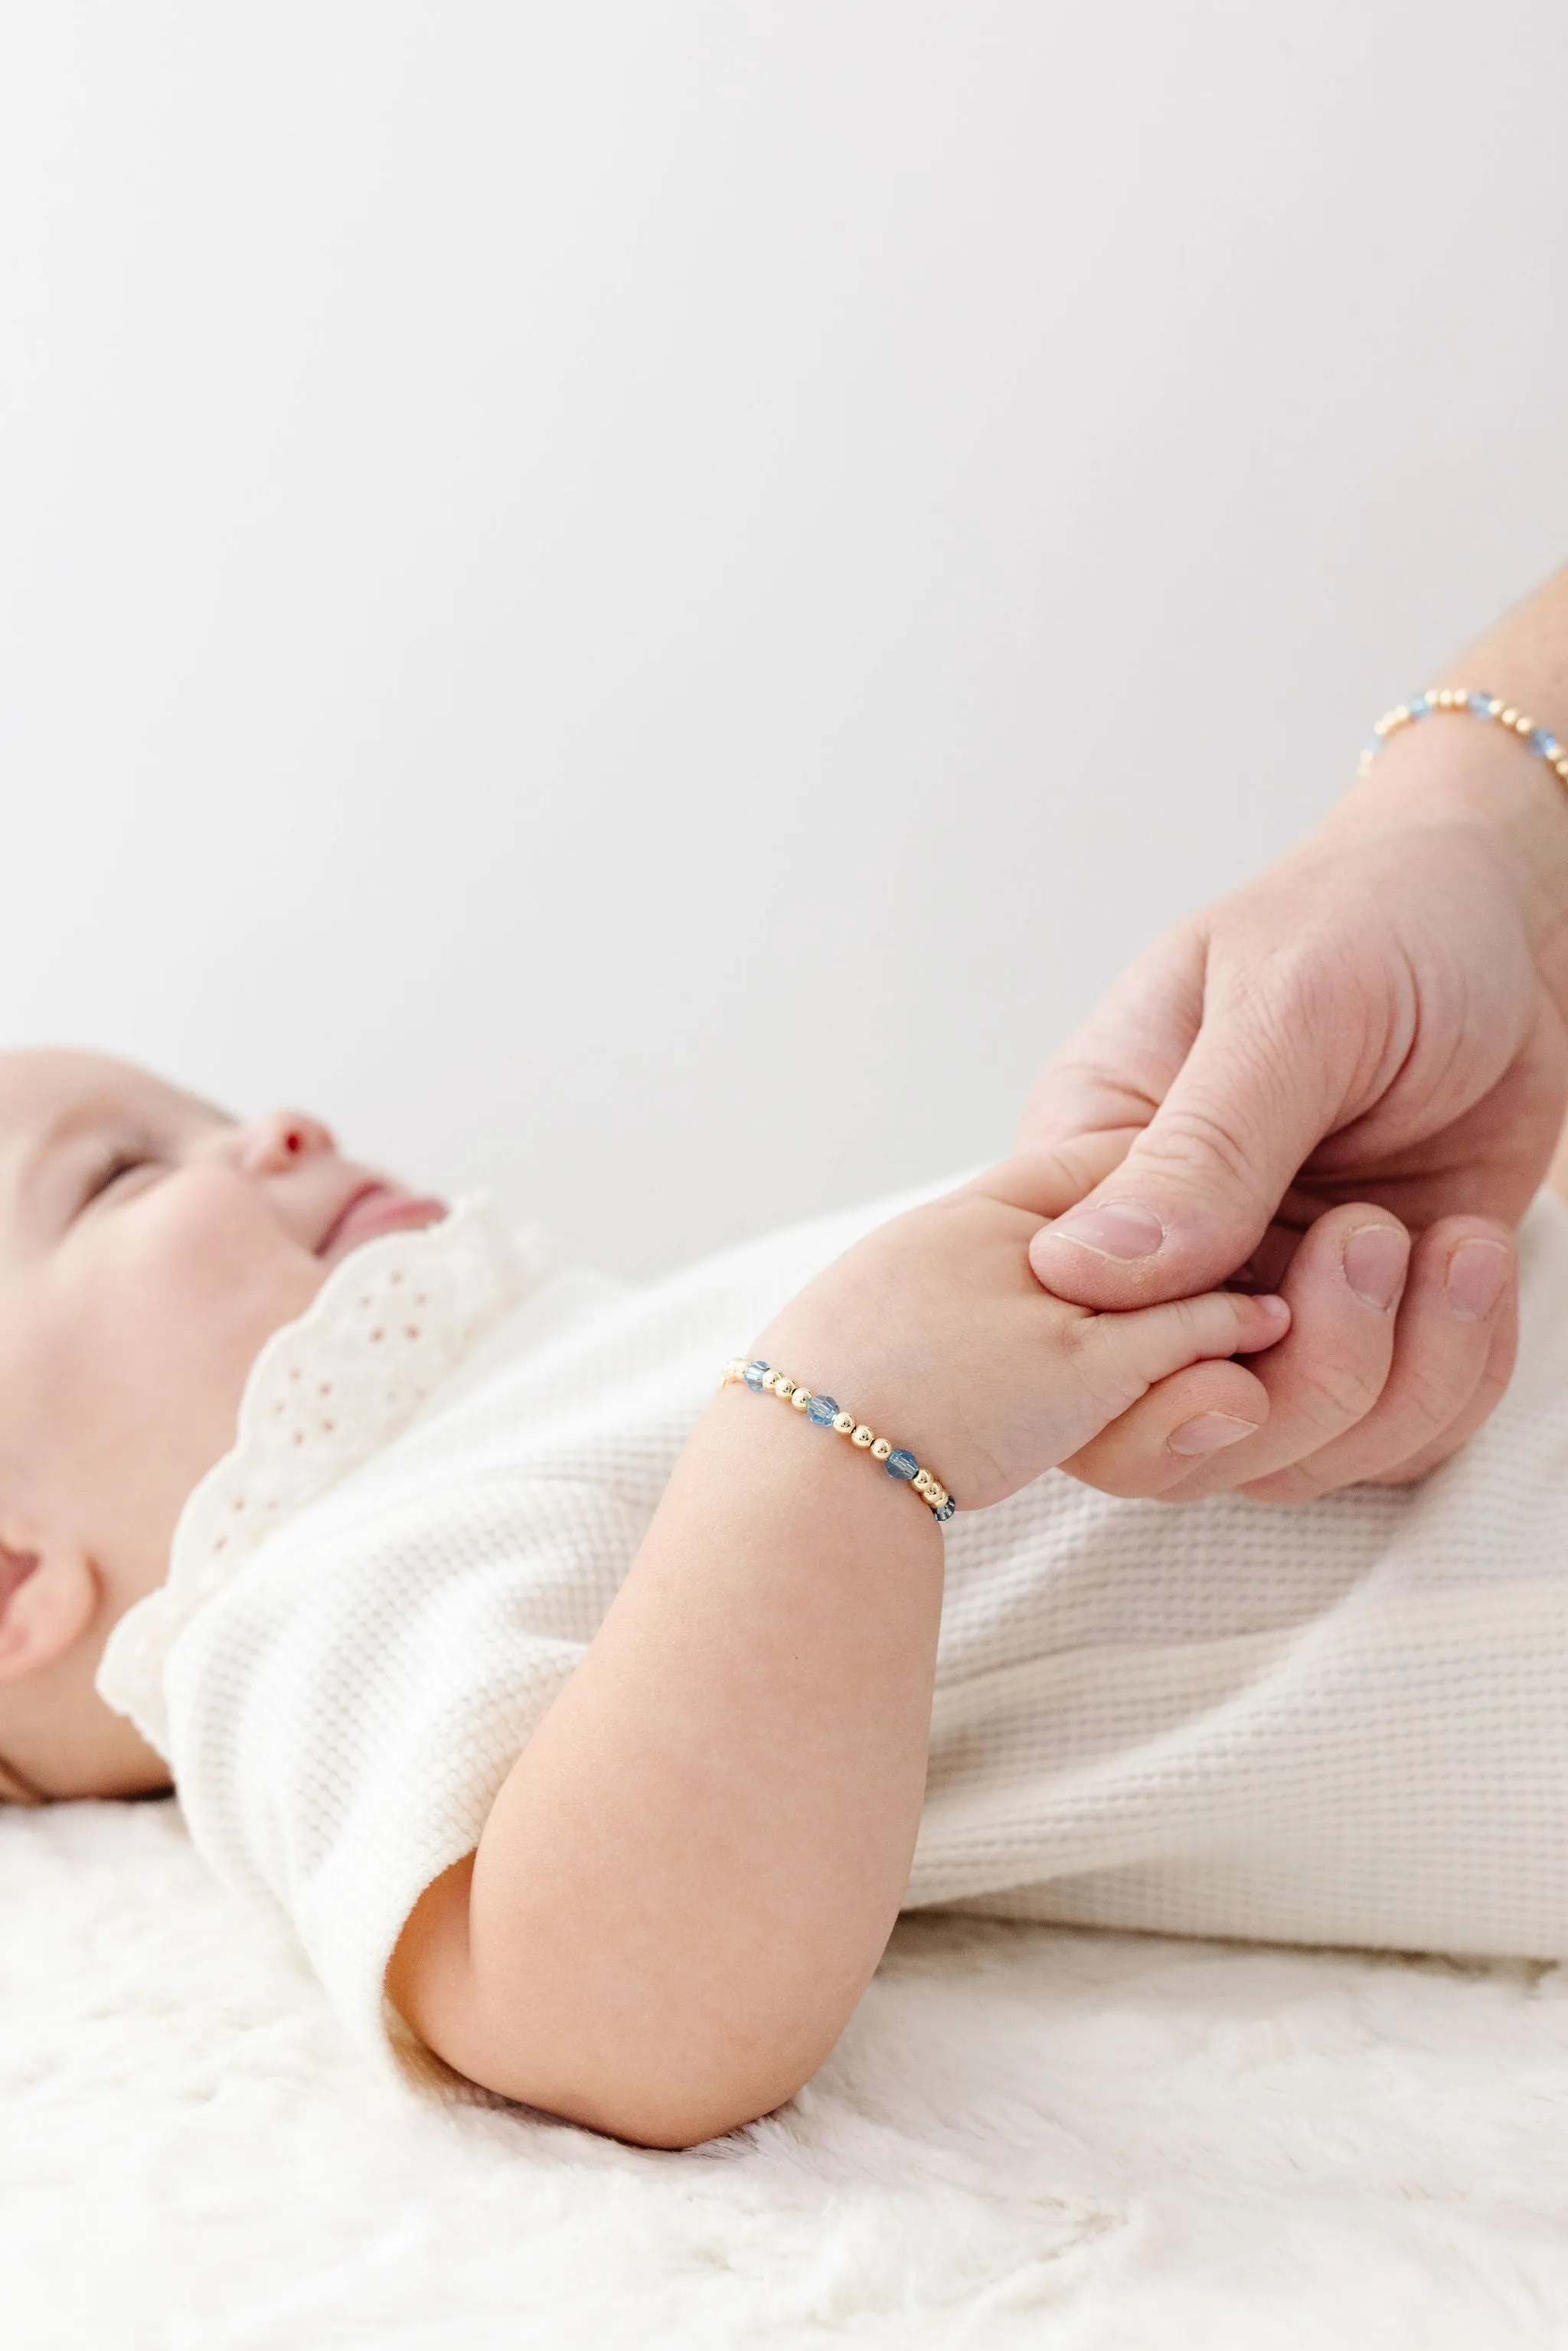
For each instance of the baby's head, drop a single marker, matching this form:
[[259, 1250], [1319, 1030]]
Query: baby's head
[[150, 1244]]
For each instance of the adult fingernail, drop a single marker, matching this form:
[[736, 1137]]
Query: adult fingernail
[[1209, 1431], [1114, 1228], [1374, 1261], [1477, 1271]]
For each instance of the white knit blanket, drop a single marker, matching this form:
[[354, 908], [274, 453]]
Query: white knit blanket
[[1027, 2136]]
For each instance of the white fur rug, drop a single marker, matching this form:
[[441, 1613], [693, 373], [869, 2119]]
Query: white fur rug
[[1027, 2136]]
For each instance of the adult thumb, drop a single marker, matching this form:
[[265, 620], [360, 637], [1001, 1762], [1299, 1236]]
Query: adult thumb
[[1195, 1193]]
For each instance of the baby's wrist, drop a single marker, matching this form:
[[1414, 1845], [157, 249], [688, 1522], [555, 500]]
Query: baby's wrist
[[885, 1404], [830, 1417]]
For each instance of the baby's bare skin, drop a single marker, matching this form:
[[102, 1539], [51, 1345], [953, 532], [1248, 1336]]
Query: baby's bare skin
[[691, 1869], [149, 1245]]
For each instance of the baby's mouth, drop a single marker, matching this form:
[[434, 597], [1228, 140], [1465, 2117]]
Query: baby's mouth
[[376, 1209]]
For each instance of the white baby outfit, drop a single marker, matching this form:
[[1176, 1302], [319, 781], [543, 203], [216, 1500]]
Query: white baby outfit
[[1340, 1722]]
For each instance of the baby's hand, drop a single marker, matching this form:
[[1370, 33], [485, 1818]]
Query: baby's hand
[[935, 1331]]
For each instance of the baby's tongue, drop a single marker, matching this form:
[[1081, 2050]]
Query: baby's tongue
[[385, 1210]]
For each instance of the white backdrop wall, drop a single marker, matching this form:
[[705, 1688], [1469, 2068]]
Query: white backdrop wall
[[646, 603]]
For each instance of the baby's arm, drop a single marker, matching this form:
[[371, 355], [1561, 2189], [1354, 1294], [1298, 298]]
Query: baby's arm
[[694, 1867]]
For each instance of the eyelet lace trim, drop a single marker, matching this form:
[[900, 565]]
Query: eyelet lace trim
[[326, 1391]]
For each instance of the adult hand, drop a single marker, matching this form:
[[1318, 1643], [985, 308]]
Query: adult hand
[[1370, 1037]]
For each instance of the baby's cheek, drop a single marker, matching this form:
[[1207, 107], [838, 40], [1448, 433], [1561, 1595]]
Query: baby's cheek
[[206, 1280]]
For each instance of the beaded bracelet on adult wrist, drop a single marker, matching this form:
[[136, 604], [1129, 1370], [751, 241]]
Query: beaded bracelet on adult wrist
[[823, 1412], [1469, 702]]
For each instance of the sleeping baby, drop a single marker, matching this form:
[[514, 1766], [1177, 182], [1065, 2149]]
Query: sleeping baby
[[589, 1674]]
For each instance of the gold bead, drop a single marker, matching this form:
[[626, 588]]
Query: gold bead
[[1494, 709], [1510, 716], [880, 1450], [921, 1482], [801, 1398], [844, 1424], [861, 1436], [1561, 766], [937, 1496], [1384, 726], [1523, 726]]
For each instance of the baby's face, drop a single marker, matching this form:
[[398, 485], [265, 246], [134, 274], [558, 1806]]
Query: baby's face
[[148, 1245]]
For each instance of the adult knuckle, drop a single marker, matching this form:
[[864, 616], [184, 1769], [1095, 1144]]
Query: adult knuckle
[[1427, 1398], [1333, 1391], [1300, 1482], [1198, 1136]]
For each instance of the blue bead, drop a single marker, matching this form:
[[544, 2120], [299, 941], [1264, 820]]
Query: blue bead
[[1481, 704], [822, 1409], [901, 1465], [1543, 745], [946, 1512], [1372, 746], [754, 1374], [1419, 708]]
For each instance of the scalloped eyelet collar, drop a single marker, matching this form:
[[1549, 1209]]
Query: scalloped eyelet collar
[[328, 1390]]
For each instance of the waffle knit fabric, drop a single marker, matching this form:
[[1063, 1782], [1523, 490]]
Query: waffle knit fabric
[[1340, 1722]]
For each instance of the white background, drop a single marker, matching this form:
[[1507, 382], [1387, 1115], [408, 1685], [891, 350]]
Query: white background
[[646, 601]]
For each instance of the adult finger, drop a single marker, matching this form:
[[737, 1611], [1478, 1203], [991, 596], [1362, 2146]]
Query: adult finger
[[1183, 1419], [1495, 1377], [1462, 1273], [1196, 1190], [1343, 1286]]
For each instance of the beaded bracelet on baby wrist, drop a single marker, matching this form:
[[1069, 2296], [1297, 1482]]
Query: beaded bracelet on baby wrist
[[1438, 699], [823, 1412]]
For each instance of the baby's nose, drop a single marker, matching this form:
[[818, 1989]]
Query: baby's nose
[[281, 1139]]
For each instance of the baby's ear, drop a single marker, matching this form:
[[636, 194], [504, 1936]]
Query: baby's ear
[[47, 1600]]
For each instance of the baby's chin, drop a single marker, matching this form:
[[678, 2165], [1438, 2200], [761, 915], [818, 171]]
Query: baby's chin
[[380, 1207]]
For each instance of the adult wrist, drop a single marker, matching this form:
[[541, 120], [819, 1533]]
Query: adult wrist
[[1452, 771]]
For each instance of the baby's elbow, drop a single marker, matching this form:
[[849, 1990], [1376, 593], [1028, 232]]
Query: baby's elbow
[[666, 2114], [668, 2073]]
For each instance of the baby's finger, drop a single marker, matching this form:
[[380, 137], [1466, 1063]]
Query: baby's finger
[[1155, 1443], [1120, 1356], [1048, 1183]]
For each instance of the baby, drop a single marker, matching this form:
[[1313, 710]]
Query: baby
[[591, 1674]]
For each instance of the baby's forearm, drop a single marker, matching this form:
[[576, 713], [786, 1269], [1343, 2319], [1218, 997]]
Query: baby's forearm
[[691, 1873]]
